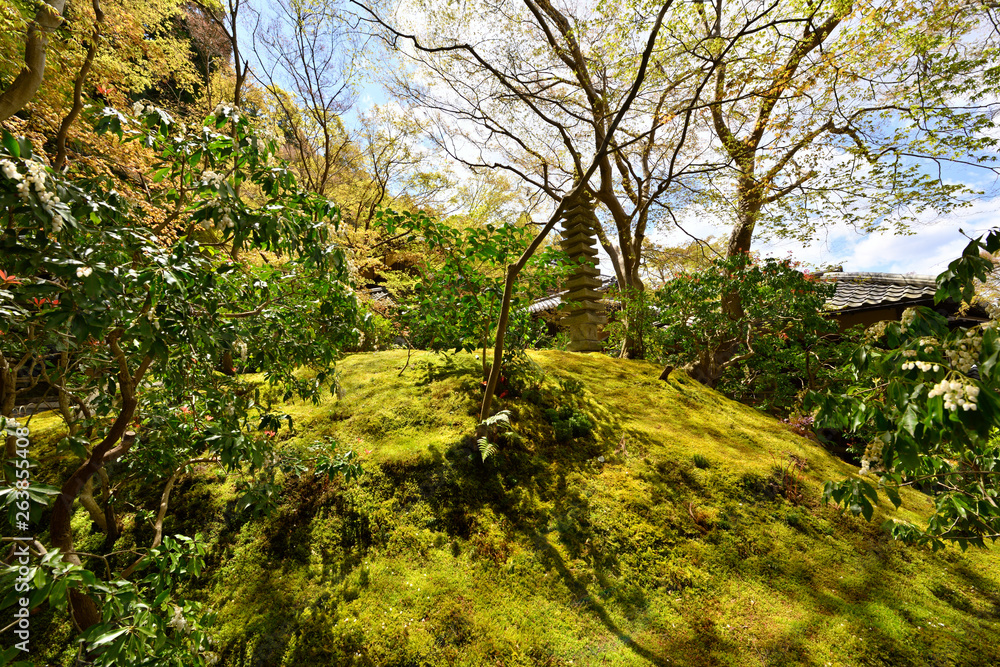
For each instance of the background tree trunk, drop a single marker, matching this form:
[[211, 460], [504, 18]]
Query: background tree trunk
[[23, 89]]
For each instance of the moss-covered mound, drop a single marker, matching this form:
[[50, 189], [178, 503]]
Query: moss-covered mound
[[684, 529]]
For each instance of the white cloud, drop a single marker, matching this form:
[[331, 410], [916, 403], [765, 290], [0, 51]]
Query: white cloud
[[933, 245], [935, 242]]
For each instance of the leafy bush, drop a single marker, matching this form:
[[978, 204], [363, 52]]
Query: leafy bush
[[129, 325], [456, 303], [375, 332], [520, 375], [636, 323], [775, 344]]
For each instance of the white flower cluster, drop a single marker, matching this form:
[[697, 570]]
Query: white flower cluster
[[965, 356], [873, 453], [178, 621], [907, 318], [224, 110], [928, 344], [956, 395], [141, 108], [269, 133], [11, 425], [226, 221], [212, 178], [9, 170], [34, 180], [83, 271], [925, 366], [962, 356]]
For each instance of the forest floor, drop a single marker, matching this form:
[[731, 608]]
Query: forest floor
[[686, 529]]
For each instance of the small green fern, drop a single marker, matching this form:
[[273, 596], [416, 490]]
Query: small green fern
[[501, 420], [486, 448]]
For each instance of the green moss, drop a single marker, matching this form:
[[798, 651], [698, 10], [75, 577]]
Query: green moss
[[614, 548]]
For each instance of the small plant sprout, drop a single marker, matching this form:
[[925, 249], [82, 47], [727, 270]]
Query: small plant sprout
[[501, 422]]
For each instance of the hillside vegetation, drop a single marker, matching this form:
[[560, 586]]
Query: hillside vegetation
[[686, 529]]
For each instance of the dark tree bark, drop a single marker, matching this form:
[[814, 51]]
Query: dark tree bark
[[116, 443]]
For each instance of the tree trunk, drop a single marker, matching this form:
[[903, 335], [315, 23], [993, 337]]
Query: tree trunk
[[740, 240], [81, 77], [22, 90], [110, 519], [226, 365], [709, 368], [8, 394], [93, 509], [514, 269], [633, 319], [625, 259], [85, 611], [635, 342]]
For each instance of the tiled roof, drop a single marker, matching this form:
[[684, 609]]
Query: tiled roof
[[546, 303], [552, 301], [863, 290], [854, 290], [379, 293]]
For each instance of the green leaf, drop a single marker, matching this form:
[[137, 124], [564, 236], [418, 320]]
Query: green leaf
[[867, 509], [10, 143], [8, 654], [161, 598], [910, 419], [108, 637], [893, 494]]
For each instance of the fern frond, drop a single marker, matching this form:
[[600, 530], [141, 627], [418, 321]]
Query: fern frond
[[502, 417], [486, 448]]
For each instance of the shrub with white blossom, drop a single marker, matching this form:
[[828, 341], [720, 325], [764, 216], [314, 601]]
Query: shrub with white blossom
[[927, 398]]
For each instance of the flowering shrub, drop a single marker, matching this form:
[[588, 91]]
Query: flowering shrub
[[927, 401], [801, 425]]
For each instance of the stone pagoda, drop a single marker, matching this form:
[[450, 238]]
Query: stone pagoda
[[583, 313]]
